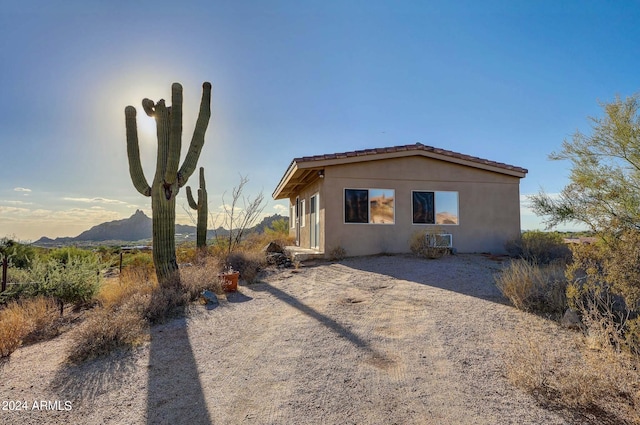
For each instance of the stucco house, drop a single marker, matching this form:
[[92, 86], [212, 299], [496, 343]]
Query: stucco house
[[372, 201]]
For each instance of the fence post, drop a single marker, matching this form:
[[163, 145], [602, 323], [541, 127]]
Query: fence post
[[120, 261], [5, 264]]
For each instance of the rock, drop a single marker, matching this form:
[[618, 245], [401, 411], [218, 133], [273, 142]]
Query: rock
[[210, 297], [278, 259], [571, 320], [273, 247]]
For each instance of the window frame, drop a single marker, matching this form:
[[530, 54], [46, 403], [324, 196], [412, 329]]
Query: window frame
[[435, 207], [368, 190]]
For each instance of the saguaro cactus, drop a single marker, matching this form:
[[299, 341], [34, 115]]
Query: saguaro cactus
[[201, 207], [168, 178]]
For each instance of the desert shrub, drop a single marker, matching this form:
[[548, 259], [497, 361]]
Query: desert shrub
[[138, 259], [133, 280], [16, 275], [534, 288], [24, 319], [74, 282], [570, 375], [201, 277], [603, 290], [422, 244], [66, 254], [18, 254], [337, 253], [539, 247], [105, 330], [248, 263]]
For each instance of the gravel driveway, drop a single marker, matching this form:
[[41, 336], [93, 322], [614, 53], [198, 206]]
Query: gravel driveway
[[372, 340]]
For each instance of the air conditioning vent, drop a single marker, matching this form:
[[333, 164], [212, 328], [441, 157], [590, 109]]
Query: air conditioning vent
[[442, 240]]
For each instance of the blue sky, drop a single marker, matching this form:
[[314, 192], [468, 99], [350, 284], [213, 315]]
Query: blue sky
[[506, 81]]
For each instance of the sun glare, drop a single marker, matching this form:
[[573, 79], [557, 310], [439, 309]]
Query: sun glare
[[146, 127]]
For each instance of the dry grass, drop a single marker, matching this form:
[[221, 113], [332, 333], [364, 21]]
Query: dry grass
[[570, 376], [534, 288], [248, 263], [128, 305], [200, 277], [133, 280], [26, 319]]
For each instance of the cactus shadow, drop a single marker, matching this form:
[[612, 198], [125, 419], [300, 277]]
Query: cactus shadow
[[174, 391]]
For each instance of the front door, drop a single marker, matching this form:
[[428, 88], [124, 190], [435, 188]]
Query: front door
[[314, 221]]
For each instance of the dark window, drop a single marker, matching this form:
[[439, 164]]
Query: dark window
[[423, 208], [356, 206]]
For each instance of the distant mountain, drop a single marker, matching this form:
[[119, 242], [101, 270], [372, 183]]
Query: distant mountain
[[138, 228], [135, 228], [267, 222]]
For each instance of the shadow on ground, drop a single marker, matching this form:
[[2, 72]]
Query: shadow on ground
[[174, 390], [467, 274], [375, 355]]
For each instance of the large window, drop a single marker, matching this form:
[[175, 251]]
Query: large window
[[431, 207], [376, 206]]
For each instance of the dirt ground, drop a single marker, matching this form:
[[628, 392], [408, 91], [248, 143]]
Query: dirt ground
[[373, 340]]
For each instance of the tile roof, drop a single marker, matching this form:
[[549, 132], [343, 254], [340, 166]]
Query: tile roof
[[405, 148]]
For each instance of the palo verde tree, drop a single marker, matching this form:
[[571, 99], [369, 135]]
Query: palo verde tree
[[168, 178], [202, 209], [604, 188], [604, 194]]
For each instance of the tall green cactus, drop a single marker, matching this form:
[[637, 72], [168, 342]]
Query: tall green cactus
[[201, 207], [168, 178]]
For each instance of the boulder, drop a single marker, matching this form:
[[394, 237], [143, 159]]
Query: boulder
[[571, 320], [273, 247]]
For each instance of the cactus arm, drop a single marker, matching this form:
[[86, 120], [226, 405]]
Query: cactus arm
[[191, 159], [192, 202], [149, 107], [133, 153], [162, 132], [175, 134], [202, 183]]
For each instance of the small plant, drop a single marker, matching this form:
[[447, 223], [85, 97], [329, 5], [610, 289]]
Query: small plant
[[337, 254]]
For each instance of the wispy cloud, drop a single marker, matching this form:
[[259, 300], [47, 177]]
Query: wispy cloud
[[12, 210], [22, 189], [16, 202], [281, 209], [95, 200]]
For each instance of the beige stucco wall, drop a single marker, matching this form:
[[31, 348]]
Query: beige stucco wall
[[488, 205]]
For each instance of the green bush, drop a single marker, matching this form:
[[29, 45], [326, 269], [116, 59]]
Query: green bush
[[75, 282], [18, 254], [539, 247], [66, 254]]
